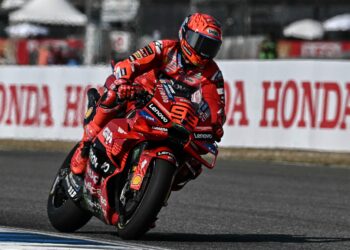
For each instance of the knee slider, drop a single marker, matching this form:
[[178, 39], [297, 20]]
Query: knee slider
[[93, 97]]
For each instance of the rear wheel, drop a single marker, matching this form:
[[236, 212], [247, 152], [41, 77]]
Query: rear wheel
[[64, 215], [140, 208]]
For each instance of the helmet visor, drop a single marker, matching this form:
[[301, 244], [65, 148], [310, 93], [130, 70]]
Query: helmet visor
[[205, 46]]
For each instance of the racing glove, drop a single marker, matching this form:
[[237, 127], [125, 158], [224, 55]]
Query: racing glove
[[123, 89], [217, 125], [218, 132], [126, 92], [217, 113]]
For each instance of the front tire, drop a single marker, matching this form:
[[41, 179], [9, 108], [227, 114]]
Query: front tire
[[153, 199], [64, 215]]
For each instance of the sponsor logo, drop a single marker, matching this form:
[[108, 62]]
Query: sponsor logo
[[185, 100], [105, 167], [168, 91], [180, 87], [203, 136], [187, 50], [167, 153], [204, 106], [189, 79], [149, 50], [132, 58], [213, 32], [204, 111], [144, 163], [160, 128], [120, 72], [93, 159], [92, 176], [198, 75], [172, 64], [136, 180], [204, 116], [212, 148], [146, 51], [107, 134], [220, 91], [72, 192], [121, 131], [156, 111], [137, 54], [163, 94], [147, 116], [159, 46], [143, 52], [171, 89], [203, 128], [197, 97]]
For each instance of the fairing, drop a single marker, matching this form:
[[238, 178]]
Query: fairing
[[172, 128]]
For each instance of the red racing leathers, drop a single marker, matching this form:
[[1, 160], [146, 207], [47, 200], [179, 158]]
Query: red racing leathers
[[158, 59], [164, 58]]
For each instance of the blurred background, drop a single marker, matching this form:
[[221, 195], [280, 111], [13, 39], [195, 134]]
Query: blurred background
[[77, 32]]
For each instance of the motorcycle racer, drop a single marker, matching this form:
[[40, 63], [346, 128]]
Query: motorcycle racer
[[188, 62]]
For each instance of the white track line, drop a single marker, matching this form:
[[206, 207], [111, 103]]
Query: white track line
[[88, 244]]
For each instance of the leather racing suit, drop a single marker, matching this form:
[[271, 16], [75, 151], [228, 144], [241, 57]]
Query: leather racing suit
[[159, 59], [163, 59]]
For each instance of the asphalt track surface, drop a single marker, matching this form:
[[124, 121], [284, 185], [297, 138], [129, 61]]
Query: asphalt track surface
[[238, 205]]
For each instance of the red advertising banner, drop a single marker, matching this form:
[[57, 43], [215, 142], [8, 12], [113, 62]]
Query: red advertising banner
[[313, 49], [269, 104]]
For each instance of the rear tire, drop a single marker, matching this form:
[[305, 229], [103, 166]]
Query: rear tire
[[64, 215], [153, 199]]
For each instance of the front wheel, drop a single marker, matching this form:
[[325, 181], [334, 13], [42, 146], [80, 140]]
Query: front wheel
[[64, 215], [154, 191]]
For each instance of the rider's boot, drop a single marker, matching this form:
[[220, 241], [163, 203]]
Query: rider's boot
[[81, 155], [104, 110], [74, 181]]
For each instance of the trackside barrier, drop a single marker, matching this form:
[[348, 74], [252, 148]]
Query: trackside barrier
[[270, 104]]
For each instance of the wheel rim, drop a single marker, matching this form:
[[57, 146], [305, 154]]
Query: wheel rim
[[132, 198], [57, 193], [58, 199]]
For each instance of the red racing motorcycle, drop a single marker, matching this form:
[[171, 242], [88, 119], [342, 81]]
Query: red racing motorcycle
[[136, 161]]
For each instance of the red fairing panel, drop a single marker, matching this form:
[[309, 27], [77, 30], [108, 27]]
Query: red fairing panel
[[146, 159], [116, 138]]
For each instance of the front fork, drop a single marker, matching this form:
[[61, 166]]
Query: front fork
[[146, 158], [188, 170]]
